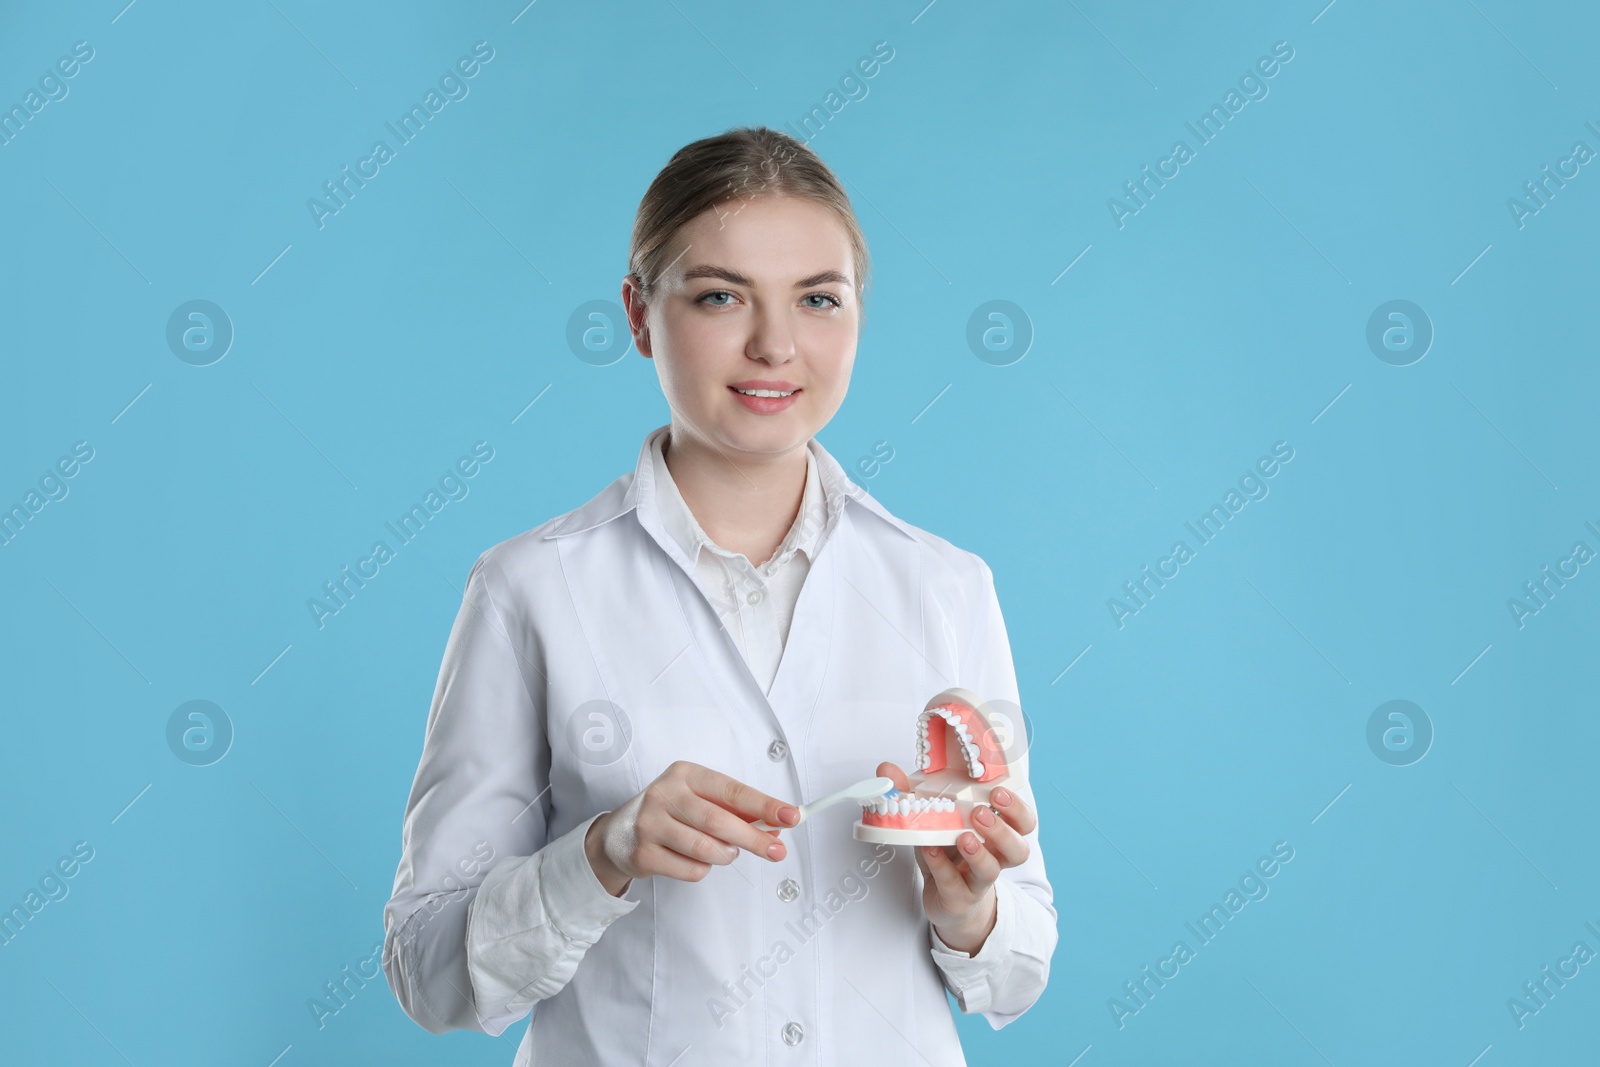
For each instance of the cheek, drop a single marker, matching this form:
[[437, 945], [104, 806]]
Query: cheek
[[694, 349], [832, 350]]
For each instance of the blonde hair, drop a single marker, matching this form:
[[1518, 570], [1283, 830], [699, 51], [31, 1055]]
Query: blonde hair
[[740, 164]]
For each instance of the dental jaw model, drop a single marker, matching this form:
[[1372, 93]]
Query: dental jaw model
[[961, 755]]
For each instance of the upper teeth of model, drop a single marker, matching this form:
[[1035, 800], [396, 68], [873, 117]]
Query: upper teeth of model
[[969, 747], [762, 392], [909, 805]]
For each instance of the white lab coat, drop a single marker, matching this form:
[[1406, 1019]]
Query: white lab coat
[[823, 958]]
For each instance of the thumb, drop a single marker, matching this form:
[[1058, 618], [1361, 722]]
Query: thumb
[[889, 770]]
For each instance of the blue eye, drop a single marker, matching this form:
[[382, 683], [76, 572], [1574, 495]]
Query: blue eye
[[715, 292], [829, 297]]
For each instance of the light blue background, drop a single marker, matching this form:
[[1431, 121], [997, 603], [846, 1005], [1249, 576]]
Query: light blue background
[[1229, 314]]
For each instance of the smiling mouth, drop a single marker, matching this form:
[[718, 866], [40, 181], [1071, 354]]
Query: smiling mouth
[[764, 392]]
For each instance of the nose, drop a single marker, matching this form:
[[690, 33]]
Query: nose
[[772, 336]]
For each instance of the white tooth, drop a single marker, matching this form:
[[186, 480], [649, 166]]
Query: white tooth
[[961, 728], [905, 805], [977, 769]]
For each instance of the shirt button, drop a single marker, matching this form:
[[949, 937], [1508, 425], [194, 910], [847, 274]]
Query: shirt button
[[754, 597], [788, 889], [793, 1033], [777, 750]]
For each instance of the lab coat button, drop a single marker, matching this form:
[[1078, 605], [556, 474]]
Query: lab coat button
[[754, 597], [777, 750], [793, 1033], [788, 889]]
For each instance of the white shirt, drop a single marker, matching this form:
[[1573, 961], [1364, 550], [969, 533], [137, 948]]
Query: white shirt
[[585, 658], [755, 603]]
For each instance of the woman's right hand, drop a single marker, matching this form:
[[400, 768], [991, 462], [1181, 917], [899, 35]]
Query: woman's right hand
[[680, 824]]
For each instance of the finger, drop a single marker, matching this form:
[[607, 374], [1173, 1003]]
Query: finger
[[658, 859], [941, 870], [889, 770], [1000, 837], [1013, 810], [693, 844], [747, 802], [980, 868], [727, 827]]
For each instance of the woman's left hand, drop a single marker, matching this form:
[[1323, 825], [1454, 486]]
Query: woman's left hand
[[958, 894]]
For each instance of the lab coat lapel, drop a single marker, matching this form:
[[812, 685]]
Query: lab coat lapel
[[801, 666]]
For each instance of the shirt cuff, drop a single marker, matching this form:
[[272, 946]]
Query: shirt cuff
[[971, 978], [531, 922], [574, 897]]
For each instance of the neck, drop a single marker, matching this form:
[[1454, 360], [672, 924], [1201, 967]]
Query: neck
[[745, 502]]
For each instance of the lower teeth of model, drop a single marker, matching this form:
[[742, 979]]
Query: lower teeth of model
[[910, 805]]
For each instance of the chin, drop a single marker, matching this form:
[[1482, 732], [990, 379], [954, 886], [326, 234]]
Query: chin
[[766, 433]]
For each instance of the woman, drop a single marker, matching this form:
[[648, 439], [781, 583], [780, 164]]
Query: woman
[[624, 692]]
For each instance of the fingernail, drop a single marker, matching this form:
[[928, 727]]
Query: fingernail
[[774, 850], [1000, 796], [984, 816], [789, 816]]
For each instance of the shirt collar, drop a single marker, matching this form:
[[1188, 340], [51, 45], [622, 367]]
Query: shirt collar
[[680, 523], [638, 490]]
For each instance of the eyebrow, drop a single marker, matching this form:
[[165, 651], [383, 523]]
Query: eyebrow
[[728, 275]]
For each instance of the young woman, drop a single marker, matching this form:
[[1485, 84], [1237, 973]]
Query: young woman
[[729, 630]]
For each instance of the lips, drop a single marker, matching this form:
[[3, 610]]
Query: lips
[[771, 398]]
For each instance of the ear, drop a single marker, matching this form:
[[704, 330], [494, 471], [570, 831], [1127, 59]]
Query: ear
[[634, 306]]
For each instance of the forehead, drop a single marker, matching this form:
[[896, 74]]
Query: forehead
[[773, 238]]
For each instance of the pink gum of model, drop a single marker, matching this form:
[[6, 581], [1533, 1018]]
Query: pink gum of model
[[960, 757]]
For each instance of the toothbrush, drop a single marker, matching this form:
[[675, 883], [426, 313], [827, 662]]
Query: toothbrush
[[861, 791]]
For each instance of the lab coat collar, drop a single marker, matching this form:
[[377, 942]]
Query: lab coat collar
[[630, 490]]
